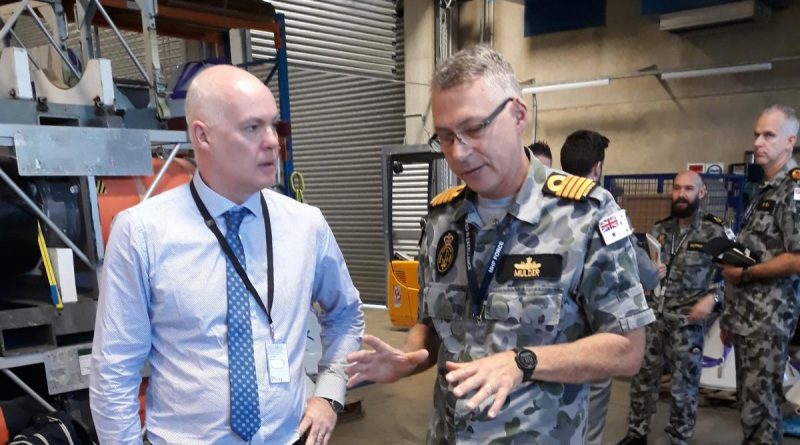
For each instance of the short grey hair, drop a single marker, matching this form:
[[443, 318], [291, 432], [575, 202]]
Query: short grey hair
[[788, 112], [476, 62]]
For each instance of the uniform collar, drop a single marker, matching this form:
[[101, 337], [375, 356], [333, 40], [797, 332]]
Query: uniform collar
[[526, 204], [218, 204], [781, 173]]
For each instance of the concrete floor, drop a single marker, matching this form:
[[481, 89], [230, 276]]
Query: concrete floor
[[398, 414]]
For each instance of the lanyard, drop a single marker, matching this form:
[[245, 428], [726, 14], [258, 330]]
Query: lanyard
[[753, 203], [478, 295], [673, 250], [212, 225]]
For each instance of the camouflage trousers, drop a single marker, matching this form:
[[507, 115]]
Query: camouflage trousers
[[681, 348], [760, 365]]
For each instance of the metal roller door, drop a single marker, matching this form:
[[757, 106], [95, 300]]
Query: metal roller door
[[347, 101]]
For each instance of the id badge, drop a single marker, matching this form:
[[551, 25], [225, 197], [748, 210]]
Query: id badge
[[278, 363]]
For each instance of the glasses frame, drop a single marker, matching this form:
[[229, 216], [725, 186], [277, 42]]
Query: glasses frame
[[479, 128]]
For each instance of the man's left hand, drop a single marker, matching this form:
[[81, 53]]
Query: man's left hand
[[495, 375], [702, 309], [319, 420]]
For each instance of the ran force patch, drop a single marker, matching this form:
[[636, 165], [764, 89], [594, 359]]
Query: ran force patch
[[446, 252]]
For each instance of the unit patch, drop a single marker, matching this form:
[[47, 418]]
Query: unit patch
[[446, 251], [530, 267], [576, 188]]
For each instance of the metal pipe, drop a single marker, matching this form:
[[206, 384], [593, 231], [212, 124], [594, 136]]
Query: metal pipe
[[121, 39], [53, 42], [13, 20], [46, 220], [161, 172], [28, 390]]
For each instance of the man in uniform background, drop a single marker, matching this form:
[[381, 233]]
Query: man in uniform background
[[682, 305], [761, 312], [522, 300]]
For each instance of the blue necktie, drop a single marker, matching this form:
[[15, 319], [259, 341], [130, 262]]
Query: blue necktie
[[245, 418]]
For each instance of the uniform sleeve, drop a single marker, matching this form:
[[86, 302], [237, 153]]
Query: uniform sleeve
[[610, 290], [341, 318], [422, 276], [648, 271], [121, 336], [790, 220]]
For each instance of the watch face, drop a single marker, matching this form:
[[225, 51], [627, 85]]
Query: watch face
[[526, 359]]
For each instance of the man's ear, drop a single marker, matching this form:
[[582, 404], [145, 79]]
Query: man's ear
[[198, 132], [520, 111], [597, 169]]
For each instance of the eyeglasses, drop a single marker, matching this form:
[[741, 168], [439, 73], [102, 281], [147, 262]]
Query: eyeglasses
[[469, 135]]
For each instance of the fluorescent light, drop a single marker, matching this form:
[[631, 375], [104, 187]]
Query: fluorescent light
[[565, 86], [717, 71]]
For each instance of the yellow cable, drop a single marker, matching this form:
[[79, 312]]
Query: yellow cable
[[55, 295]]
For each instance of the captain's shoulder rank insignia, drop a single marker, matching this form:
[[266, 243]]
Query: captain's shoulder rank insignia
[[446, 196], [714, 219], [575, 188], [446, 251], [795, 173]]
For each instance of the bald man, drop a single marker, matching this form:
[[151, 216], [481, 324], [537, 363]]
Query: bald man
[[684, 305], [212, 283]]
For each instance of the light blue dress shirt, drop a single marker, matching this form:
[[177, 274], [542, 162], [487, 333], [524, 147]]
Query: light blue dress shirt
[[163, 298]]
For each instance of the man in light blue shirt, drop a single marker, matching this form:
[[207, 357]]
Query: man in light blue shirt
[[165, 280]]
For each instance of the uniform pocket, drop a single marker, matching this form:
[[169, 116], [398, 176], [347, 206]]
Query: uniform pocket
[[531, 313]]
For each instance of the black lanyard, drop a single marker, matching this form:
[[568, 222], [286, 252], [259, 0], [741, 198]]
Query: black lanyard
[[673, 252], [753, 203], [478, 295], [212, 225]]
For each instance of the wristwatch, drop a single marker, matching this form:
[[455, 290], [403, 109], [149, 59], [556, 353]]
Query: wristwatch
[[335, 406], [526, 362]]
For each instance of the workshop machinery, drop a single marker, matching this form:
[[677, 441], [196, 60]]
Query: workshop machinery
[[76, 147]]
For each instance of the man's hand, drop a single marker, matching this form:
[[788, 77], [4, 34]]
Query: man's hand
[[662, 270], [497, 374], [731, 274], [318, 420], [702, 309], [725, 337], [384, 364]]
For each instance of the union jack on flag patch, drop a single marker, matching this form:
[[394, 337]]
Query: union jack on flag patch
[[608, 224]]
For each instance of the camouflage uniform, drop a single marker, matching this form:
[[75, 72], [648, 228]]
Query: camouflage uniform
[[762, 315], [673, 337], [595, 288]]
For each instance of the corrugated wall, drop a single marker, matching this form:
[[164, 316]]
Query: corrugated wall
[[347, 101]]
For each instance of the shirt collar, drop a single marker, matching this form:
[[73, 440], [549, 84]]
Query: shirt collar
[[218, 204]]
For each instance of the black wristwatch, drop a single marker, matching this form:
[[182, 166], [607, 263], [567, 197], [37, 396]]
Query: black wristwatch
[[335, 406], [526, 362]]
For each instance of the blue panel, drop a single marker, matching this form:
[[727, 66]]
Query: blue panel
[[546, 16], [655, 7]]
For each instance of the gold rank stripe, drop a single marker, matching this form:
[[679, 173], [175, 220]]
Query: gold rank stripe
[[575, 188], [101, 187], [447, 195]]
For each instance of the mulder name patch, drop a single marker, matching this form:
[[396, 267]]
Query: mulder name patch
[[446, 251], [530, 267], [696, 246], [766, 204]]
